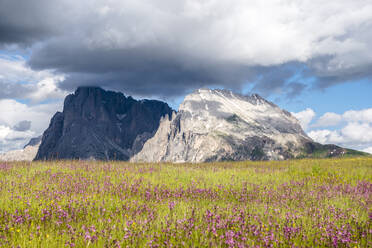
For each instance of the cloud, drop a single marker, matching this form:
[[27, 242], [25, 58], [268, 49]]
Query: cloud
[[305, 117], [36, 88], [328, 119], [353, 134], [11, 139], [295, 89], [22, 126], [24, 22], [15, 132], [353, 129], [13, 112], [18, 80], [332, 119], [171, 47], [323, 136], [362, 115]]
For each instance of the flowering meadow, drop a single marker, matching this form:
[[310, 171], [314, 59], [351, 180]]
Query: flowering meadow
[[296, 203]]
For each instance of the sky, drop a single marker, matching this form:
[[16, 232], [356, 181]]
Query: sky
[[310, 57]]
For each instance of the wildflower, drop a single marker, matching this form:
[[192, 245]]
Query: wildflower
[[171, 205]]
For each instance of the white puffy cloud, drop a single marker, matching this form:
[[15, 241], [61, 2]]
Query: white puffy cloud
[[328, 119], [322, 136], [354, 129], [353, 134], [18, 80], [11, 139], [13, 112], [14, 69], [305, 117], [4, 131], [332, 119], [364, 115], [47, 89], [19, 121]]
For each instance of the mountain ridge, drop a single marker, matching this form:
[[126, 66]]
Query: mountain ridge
[[211, 125], [217, 125]]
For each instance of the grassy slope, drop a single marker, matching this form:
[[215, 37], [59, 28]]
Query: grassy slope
[[316, 150], [324, 202]]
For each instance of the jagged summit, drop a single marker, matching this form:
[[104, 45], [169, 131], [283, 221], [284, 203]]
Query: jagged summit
[[205, 92], [100, 124], [221, 125], [211, 110]]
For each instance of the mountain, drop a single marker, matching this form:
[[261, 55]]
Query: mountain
[[102, 125], [217, 125], [34, 142], [28, 152]]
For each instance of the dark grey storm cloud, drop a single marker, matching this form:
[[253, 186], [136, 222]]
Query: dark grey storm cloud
[[22, 126], [23, 22], [327, 77], [144, 70], [295, 89], [171, 47]]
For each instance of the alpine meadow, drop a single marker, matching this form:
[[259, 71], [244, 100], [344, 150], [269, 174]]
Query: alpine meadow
[[295, 203], [185, 124]]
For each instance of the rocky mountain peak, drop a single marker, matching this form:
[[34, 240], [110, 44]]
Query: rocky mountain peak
[[219, 125], [210, 97], [219, 107], [101, 124]]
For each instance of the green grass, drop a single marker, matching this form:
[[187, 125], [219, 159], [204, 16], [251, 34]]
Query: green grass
[[303, 203]]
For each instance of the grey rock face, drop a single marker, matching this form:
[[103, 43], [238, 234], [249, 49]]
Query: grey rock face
[[99, 124], [216, 125]]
